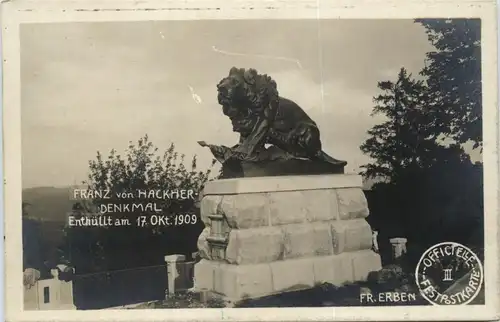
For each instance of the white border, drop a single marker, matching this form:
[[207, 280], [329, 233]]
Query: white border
[[16, 12]]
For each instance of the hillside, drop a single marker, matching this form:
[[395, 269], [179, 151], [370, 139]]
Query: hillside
[[50, 206], [48, 203]]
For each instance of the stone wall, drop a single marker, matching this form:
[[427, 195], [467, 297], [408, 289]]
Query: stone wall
[[270, 235]]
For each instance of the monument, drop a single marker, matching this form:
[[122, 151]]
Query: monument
[[284, 216]]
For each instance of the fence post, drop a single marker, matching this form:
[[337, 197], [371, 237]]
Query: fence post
[[172, 271], [398, 247]]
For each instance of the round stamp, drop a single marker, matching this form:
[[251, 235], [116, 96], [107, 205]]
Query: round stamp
[[449, 274]]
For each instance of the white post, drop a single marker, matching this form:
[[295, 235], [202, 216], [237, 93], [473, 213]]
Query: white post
[[55, 273], [172, 272], [375, 241], [398, 246]]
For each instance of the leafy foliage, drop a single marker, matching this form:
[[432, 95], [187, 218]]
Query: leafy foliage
[[117, 247], [453, 74], [431, 191], [407, 138], [32, 250], [83, 248]]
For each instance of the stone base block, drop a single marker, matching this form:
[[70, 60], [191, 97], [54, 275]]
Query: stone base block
[[247, 203], [238, 282], [269, 244], [253, 246], [364, 262], [351, 235]]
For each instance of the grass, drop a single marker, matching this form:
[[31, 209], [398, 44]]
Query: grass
[[387, 280], [390, 279]]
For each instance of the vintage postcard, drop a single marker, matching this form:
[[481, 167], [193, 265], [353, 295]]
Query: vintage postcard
[[250, 160]]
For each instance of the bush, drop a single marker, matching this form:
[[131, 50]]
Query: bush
[[109, 248]]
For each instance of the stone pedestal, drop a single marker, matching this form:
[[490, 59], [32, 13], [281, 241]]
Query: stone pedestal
[[271, 235]]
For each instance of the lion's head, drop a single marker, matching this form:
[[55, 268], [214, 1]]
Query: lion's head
[[244, 91]]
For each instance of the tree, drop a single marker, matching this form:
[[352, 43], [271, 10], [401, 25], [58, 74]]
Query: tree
[[82, 247], [407, 139], [142, 169], [430, 190], [31, 232], [453, 74]]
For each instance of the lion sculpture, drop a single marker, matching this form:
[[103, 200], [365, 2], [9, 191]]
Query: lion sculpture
[[263, 118]]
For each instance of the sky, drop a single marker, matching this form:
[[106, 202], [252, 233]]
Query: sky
[[96, 86]]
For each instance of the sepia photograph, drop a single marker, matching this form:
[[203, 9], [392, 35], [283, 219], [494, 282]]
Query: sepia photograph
[[254, 163]]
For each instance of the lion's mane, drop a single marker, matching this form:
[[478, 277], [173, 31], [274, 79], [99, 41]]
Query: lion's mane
[[258, 91]]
